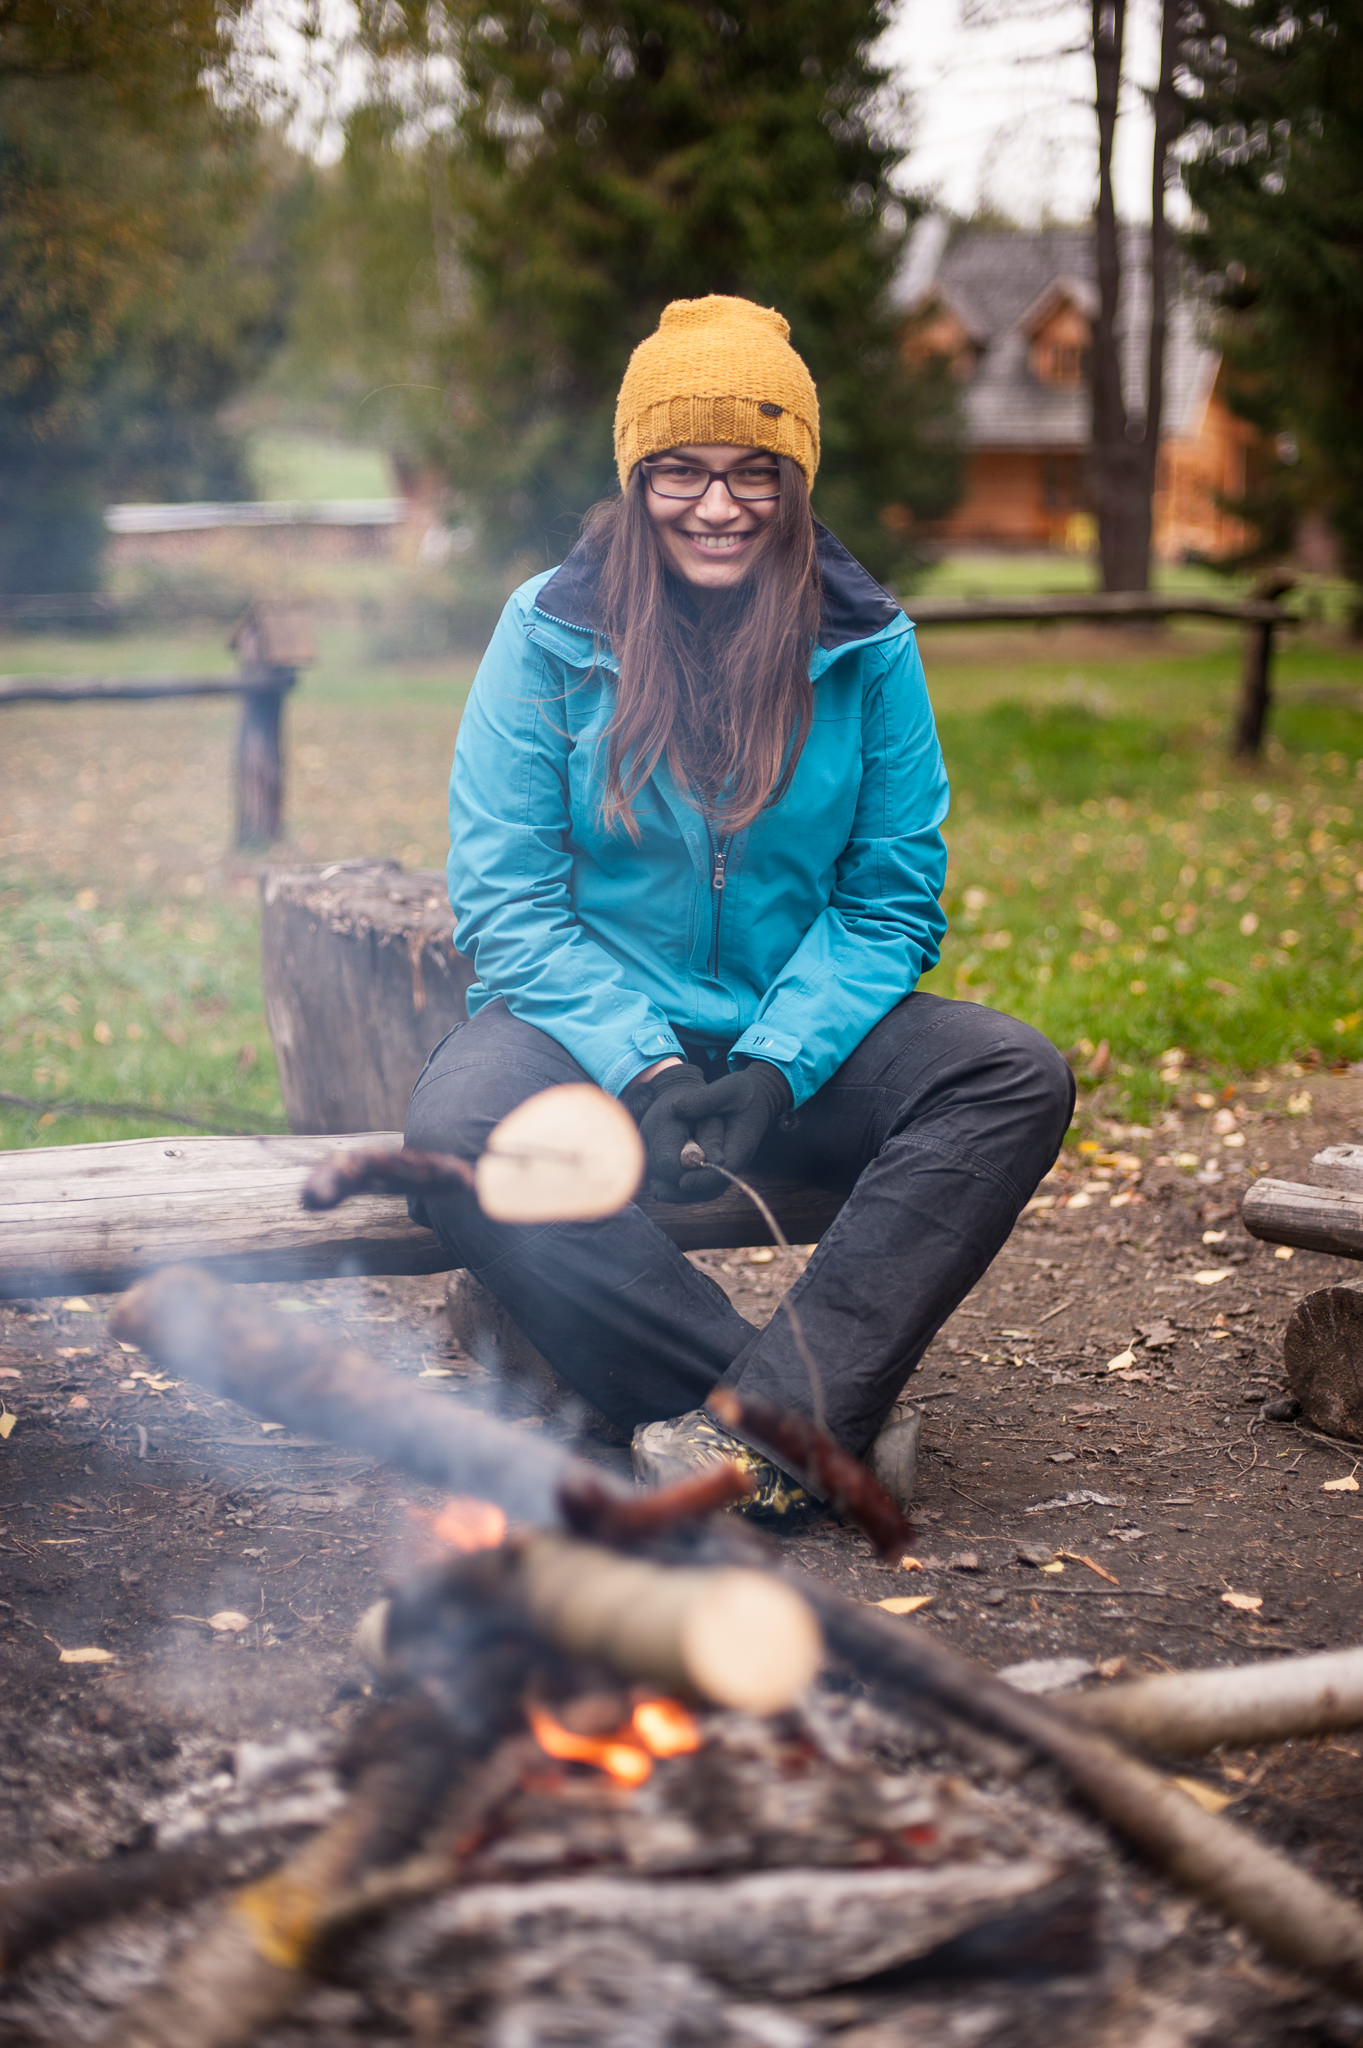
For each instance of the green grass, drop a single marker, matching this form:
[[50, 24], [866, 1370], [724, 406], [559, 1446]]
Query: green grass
[[1113, 876], [311, 467]]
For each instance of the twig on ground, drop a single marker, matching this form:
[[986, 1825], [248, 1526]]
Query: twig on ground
[[139, 1112]]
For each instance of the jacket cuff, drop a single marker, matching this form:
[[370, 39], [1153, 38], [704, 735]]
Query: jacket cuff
[[648, 1043]]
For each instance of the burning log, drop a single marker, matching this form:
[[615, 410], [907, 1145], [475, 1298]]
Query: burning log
[[833, 1473], [725, 1634], [196, 1328], [192, 1325], [246, 1971], [1190, 1712], [1295, 1918]]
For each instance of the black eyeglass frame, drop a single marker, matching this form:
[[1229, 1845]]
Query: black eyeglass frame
[[711, 476]]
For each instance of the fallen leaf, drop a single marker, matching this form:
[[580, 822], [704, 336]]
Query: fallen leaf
[[1346, 1485], [7, 1422], [269, 1428], [1053, 1567], [1046, 1674], [1285, 1251], [78, 1401], [228, 1621], [1215, 1236], [1205, 1796], [910, 1564], [90, 1656], [10, 1372], [567, 1154], [1211, 1276], [761, 1255], [436, 1372], [1247, 1603], [1123, 1362], [77, 1305], [906, 1603]]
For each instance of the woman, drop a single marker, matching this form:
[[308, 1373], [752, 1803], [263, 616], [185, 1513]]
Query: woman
[[696, 858]]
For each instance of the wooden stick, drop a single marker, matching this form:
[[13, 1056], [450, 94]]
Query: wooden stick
[[1190, 1712], [1317, 1219], [196, 1328], [1295, 1918], [383, 1170]]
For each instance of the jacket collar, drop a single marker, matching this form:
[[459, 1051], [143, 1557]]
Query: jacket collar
[[852, 605]]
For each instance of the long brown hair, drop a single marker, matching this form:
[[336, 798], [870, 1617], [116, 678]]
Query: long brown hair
[[716, 683]]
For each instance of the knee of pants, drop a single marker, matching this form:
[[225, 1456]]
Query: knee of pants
[[1040, 1076], [459, 1099]]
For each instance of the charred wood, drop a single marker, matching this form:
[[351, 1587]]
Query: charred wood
[[381, 1170]]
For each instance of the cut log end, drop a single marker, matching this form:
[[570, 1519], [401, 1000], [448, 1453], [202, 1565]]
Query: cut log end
[[752, 1643], [1323, 1352]]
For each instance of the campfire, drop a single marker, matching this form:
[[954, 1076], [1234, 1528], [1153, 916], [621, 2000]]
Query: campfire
[[620, 1775]]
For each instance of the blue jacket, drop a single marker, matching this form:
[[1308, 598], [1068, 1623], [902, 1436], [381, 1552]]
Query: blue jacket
[[785, 942]]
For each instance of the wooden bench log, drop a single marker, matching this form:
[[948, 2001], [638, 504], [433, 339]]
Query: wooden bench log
[[92, 1218], [1316, 1219]]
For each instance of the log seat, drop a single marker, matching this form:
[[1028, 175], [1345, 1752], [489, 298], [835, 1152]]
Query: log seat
[[89, 1219]]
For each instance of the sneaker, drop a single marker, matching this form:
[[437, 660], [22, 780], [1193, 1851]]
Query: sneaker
[[893, 1457], [683, 1444]]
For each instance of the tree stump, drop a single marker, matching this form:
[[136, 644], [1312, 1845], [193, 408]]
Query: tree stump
[[361, 982], [1324, 1354]]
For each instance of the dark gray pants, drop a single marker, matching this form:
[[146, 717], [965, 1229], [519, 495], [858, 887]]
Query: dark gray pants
[[940, 1124]]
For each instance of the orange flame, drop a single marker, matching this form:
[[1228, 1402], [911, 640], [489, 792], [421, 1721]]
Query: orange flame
[[468, 1524], [665, 1728], [657, 1728]]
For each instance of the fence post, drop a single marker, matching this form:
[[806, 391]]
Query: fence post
[[271, 643], [1256, 689]]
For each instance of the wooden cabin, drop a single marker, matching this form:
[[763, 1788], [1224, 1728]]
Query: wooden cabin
[[1012, 313]]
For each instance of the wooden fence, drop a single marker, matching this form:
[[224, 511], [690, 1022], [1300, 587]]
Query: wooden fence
[[271, 643]]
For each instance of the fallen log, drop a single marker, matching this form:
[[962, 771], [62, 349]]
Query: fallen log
[[1328, 1219], [1323, 1354], [1190, 1712], [1294, 1917]]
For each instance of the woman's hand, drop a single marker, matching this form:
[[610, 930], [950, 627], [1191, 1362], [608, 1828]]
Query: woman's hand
[[663, 1102], [741, 1108]]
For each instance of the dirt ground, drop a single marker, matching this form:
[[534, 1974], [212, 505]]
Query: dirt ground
[[1095, 1479]]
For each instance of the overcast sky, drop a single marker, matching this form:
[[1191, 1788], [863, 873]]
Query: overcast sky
[[1003, 105], [1002, 97]]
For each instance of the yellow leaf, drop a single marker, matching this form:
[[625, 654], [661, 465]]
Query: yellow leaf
[[906, 1603], [7, 1422], [1346, 1485], [90, 1656], [228, 1621], [1248, 1603], [1215, 1236], [910, 1564], [1285, 1251], [1205, 1796], [1123, 1362], [77, 1305], [268, 1428], [1053, 1567], [1212, 1276]]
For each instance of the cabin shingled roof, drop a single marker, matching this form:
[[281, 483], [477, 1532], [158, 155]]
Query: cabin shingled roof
[[991, 278]]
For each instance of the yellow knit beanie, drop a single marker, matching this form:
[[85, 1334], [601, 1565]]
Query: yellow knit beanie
[[721, 371]]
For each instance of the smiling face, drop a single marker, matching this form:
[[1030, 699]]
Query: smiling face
[[710, 542]]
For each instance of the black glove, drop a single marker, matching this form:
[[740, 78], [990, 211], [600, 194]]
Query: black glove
[[744, 1105], [667, 1113]]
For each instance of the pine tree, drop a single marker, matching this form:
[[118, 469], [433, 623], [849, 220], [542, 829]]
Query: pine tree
[[612, 155], [1278, 182]]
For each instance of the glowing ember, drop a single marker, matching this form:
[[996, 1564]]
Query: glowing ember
[[619, 1756], [656, 1728], [468, 1524], [665, 1728]]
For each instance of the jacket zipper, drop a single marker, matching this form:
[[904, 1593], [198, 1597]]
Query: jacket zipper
[[720, 852]]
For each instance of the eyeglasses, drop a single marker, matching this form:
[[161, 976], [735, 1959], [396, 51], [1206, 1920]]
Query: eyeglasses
[[749, 484]]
